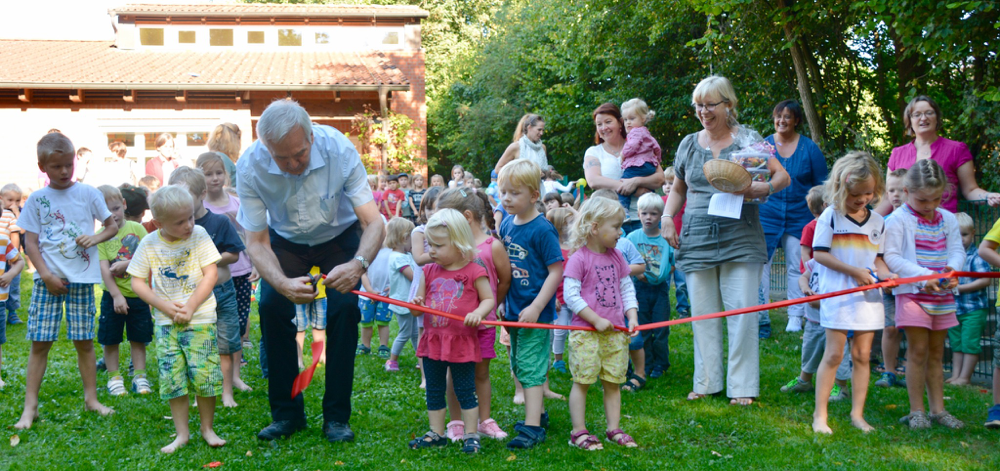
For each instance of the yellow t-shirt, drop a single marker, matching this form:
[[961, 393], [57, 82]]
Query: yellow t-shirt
[[994, 236], [122, 247]]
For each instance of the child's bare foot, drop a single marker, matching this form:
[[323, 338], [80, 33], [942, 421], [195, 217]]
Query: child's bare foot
[[549, 394], [239, 384], [861, 424], [820, 426], [27, 419], [174, 445], [423, 384], [212, 439], [519, 398], [301, 365], [322, 359], [96, 406], [949, 380], [228, 401], [958, 382]]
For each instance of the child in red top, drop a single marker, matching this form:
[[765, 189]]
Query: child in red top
[[452, 283], [392, 198], [814, 199]]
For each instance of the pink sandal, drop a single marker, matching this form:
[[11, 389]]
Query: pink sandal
[[624, 439], [589, 443]]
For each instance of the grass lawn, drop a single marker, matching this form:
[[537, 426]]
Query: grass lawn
[[389, 410]]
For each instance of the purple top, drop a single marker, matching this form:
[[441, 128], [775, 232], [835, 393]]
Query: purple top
[[948, 153], [242, 265], [640, 148], [600, 277]]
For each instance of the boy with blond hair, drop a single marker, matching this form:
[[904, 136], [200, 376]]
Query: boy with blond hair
[[227, 242], [181, 260], [59, 238], [972, 308], [10, 196], [121, 309], [536, 260]]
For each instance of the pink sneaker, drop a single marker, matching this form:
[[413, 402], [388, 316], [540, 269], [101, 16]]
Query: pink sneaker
[[391, 365], [455, 430], [490, 428]]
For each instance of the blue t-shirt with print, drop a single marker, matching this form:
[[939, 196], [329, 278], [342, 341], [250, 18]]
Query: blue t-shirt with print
[[532, 247], [657, 253]]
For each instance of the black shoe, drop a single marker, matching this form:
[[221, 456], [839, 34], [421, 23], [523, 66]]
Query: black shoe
[[12, 319], [542, 422], [281, 428], [338, 432]]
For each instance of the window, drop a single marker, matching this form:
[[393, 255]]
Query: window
[[185, 37], [322, 38], [390, 38], [151, 139], [289, 37], [151, 36], [220, 37], [255, 37], [127, 137], [195, 139]]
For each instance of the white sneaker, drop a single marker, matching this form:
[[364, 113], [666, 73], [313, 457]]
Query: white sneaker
[[116, 386], [794, 324], [140, 385]]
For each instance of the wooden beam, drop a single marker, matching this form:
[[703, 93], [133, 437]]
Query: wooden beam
[[129, 96], [336, 97], [76, 96], [181, 96], [24, 95]]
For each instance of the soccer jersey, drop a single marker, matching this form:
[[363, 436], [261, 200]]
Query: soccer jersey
[[858, 244], [122, 247], [176, 269]]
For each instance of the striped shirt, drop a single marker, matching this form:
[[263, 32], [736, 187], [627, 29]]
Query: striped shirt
[[8, 253], [8, 223], [931, 242]]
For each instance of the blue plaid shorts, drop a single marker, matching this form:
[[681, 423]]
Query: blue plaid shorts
[[46, 312], [311, 314]]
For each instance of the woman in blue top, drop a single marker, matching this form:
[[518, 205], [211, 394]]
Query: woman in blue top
[[785, 213]]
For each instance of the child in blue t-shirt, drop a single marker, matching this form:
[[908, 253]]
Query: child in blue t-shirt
[[650, 350], [536, 270]]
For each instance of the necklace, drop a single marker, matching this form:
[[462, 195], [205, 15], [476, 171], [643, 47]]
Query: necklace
[[607, 148]]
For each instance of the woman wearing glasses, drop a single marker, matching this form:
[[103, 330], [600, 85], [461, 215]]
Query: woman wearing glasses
[[721, 257], [922, 120]]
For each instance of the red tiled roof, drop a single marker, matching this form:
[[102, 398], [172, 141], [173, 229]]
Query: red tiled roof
[[97, 64], [268, 10]]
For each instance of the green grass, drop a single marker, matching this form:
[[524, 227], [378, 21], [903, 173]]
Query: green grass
[[389, 410]]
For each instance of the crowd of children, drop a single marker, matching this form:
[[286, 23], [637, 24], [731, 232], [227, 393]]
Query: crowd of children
[[523, 250]]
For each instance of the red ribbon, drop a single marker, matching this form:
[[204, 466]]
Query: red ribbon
[[304, 378]]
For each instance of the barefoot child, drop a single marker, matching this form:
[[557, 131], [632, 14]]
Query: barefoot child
[[922, 239], [182, 260], [222, 233], [848, 247], [8, 257], [475, 207], [453, 283], [121, 308], [59, 239], [599, 291], [972, 308], [536, 269]]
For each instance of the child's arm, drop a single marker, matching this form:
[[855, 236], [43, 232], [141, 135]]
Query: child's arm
[[807, 253], [55, 285], [531, 313], [228, 258], [419, 298], [987, 250], [110, 230], [486, 302], [576, 303], [976, 285], [210, 274], [804, 286], [145, 293], [14, 267], [399, 207], [417, 249], [407, 273], [501, 262], [860, 275], [409, 202], [121, 306], [367, 284], [627, 290]]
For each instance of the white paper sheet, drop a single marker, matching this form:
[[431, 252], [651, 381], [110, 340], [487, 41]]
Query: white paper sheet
[[726, 205]]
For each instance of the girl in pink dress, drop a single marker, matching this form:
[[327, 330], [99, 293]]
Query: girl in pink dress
[[453, 283]]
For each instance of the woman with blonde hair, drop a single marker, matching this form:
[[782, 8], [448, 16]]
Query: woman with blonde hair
[[527, 143], [225, 139]]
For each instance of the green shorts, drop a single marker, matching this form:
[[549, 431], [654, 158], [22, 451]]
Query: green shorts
[[188, 354], [529, 355], [964, 337]]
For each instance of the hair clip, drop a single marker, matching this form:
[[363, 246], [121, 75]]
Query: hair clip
[[462, 191]]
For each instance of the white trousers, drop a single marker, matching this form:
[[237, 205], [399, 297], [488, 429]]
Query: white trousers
[[793, 255], [728, 286]]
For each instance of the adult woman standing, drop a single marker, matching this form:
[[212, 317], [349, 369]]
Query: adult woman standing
[[922, 120], [602, 162], [527, 143], [786, 213], [225, 139], [166, 160], [721, 257]]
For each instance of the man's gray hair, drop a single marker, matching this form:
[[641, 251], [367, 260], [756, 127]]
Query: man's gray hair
[[279, 118]]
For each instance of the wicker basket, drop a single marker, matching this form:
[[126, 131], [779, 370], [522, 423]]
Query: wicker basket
[[726, 175]]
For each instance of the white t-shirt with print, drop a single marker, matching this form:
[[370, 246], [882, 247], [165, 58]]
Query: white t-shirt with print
[[858, 244], [59, 217], [176, 269]]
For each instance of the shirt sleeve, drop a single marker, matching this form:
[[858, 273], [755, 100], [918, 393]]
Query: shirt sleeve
[[356, 179], [628, 293], [808, 233], [29, 215], [139, 266], [631, 254], [98, 207], [252, 213], [229, 241], [571, 294], [818, 164], [823, 237], [551, 253], [13, 227], [104, 250], [994, 234], [205, 250]]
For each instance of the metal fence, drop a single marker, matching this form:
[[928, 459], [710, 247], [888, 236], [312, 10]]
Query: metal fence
[[984, 217]]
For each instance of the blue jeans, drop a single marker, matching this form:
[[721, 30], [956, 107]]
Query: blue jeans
[[643, 170], [654, 306], [681, 291]]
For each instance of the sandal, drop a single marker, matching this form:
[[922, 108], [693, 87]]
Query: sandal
[[693, 396], [880, 368], [589, 442], [527, 437], [917, 420], [362, 350], [472, 444], [948, 420], [741, 401], [430, 439], [623, 439], [634, 383]]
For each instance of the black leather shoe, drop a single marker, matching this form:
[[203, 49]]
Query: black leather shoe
[[281, 428], [338, 432]]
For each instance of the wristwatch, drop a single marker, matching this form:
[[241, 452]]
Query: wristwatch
[[363, 260]]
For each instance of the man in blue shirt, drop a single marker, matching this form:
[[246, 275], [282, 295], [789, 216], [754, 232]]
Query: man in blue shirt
[[304, 202]]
